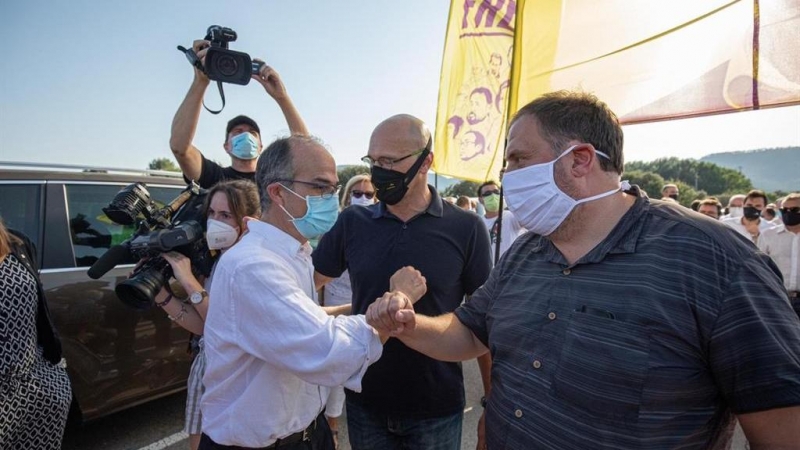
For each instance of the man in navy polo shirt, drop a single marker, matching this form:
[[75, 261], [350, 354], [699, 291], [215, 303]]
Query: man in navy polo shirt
[[408, 399]]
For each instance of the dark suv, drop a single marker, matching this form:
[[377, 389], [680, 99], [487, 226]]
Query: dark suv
[[117, 357]]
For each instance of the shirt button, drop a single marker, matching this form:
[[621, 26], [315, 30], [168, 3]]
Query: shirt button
[[405, 226], [537, 364], [551, 316], [566, 271], [518, 413]]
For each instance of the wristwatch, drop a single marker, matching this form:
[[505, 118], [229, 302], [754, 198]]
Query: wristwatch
[[483, 402], [198, 297]]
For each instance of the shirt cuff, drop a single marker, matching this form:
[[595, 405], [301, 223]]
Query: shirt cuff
[[374, 350]]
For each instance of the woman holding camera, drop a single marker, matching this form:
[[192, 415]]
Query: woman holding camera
[[227, 205], [35, 392]]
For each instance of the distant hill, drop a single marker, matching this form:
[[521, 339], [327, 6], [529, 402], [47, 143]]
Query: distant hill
[[769, 169]]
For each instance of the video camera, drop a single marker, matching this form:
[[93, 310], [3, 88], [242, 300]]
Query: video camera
[[221, 63], [177, 226]]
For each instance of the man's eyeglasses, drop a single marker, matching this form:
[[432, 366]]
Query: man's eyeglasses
[[358, 194], [490, 192], [794, 210], [388, 163], [323, 190]]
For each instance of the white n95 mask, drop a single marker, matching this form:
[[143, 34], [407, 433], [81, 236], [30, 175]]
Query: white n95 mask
[[220, 235]]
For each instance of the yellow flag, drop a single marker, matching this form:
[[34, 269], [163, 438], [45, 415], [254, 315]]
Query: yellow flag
[[471, 117], [656, 60]]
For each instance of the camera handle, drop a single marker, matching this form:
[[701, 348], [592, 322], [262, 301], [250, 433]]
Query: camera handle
[[195, 61]]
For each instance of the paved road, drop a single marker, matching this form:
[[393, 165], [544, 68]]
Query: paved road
[[158, 425]]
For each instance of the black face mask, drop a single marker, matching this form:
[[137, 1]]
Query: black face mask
[[674, 197], [751, 213], [790, 218], [390, 185]]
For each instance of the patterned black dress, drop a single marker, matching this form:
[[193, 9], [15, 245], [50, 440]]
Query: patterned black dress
[[34, 393]]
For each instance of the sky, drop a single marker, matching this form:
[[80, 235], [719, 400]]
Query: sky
[[97, 82]]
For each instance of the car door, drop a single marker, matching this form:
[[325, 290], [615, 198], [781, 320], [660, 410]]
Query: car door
[[116, 356]]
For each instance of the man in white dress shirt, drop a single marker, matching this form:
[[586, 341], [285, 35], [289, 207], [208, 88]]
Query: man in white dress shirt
[[751, 224], [782, 244], [272, 352]]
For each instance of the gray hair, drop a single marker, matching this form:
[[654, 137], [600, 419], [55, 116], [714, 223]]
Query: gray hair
[[276, 163]]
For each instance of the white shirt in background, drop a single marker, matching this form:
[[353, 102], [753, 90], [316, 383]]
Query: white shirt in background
[[783, 247], [271, 350], [511, 230], [736, 224]]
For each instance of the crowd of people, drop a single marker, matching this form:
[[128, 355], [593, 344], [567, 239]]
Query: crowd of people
[[600, 318]]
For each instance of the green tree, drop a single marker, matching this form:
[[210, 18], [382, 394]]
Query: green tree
[[687, 193], [163, 164], [700, 175], [468, 188]]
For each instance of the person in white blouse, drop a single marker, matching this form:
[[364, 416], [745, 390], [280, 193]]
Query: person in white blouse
[[782, 244], [272, 353]]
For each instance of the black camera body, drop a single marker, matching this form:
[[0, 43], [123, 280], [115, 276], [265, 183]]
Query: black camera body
[[177, 226], [223, 64]]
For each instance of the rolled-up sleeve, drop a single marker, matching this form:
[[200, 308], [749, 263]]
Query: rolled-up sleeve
[[278, 323]]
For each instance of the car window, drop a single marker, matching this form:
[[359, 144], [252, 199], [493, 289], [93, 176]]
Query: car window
[[20, 208], [92, 232]]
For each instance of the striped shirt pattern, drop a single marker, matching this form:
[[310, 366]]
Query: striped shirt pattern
[[652, 340]]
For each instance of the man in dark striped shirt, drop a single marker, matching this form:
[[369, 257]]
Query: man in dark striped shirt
[[617, 322]]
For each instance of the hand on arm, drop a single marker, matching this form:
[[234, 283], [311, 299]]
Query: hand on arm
[[184, 124], [272, 83]]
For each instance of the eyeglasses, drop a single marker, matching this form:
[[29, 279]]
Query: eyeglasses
[[324, 190], [794, 210], [488, 193], [358, 194], [388, 163]]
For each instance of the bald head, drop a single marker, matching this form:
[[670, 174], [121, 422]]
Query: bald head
[[402, 131]]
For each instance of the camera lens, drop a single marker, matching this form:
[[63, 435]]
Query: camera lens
[[139, 291], [227, 65]]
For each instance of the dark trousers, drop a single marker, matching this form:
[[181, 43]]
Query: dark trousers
[[321, 439]]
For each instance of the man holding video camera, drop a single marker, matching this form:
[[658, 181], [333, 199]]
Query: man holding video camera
[[242, 136]]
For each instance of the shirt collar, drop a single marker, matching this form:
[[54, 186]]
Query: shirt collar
[[435, 207], [278, 239], [622, 239]]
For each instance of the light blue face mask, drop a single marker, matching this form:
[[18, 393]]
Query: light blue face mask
[[320, 215], [244, 146]]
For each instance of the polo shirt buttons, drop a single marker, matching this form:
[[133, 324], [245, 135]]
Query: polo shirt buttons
[[551, 316], [537, 364], [518, 413], [566, 271]]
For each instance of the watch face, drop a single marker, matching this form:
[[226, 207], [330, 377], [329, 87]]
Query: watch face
[[196, 297]]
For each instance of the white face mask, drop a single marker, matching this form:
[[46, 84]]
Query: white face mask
[[736, 211], [220, 235], [363, 201], [535, 199]]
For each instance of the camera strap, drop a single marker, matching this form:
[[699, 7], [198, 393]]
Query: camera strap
[[195, 62]]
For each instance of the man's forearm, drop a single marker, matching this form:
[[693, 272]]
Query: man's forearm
[[292, 116], [444, 338], [184, 124]]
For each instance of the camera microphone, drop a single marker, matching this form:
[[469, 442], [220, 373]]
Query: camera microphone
[[107, 261]]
